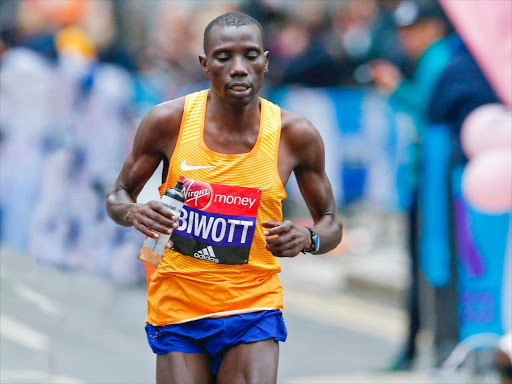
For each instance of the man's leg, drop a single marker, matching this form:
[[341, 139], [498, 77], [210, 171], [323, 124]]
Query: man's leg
[[183, 368], [250, 363]]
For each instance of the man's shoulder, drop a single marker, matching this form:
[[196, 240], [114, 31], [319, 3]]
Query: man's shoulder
[[297, 129], [169, 112]]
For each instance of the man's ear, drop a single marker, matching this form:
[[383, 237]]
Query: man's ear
[[204, 63], [267, 55]]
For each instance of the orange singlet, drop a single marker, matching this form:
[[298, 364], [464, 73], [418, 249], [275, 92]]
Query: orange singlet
[[219, 265]]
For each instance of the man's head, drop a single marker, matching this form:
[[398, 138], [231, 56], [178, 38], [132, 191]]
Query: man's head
[[234, 59], [420, 23]]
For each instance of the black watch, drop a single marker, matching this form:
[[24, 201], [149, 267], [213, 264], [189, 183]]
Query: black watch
[[315, 242]]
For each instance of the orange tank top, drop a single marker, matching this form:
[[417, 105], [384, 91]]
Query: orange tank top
[[219, 265]]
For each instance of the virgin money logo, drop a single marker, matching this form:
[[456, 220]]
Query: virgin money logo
[[197, 194]]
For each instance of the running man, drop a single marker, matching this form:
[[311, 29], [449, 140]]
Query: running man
[[215, 300]]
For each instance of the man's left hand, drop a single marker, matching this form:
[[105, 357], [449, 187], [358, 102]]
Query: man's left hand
[[285, 239]]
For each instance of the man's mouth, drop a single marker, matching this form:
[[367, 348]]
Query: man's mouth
[[239, 87]]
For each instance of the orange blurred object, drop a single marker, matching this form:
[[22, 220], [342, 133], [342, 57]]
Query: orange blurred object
[[75, 40], [62, 12]]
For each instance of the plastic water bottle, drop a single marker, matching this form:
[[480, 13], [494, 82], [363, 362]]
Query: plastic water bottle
[[153, 249]]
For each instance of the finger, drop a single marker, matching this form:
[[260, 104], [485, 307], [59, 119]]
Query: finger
[[285, 253], [273, 250], [160, 219], [169, 244], [145, 230], [163, 210], [280, 240], [271, 224], [277, 250], [156, 227], [279, 230]]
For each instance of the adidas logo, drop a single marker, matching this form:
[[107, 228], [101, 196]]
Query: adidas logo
[[206, 254]]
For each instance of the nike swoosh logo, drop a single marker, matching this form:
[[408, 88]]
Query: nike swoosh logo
[[185, 167]]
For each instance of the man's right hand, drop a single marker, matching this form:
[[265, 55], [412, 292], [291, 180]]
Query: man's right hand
[[152, 218]]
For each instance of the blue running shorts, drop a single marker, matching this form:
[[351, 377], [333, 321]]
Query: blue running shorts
[[213, 336]]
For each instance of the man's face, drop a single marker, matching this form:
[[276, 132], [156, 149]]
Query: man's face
[[412, 40], [418, 37], [235, 63]]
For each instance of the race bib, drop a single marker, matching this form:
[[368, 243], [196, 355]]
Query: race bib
[[217, 222]]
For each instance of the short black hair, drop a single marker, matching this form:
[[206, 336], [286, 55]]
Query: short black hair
[[230, 19]]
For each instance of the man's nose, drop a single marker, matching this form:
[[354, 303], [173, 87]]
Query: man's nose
[[238, 67]]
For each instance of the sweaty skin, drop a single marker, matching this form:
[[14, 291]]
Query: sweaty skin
[[235, 62]]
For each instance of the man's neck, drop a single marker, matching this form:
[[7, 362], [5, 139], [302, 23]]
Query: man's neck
[[231, 117]]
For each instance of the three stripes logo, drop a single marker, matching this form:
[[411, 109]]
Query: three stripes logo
[[206, 254]]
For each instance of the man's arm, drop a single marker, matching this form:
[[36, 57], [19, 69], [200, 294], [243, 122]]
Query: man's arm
[[305, 147], [154, 142]]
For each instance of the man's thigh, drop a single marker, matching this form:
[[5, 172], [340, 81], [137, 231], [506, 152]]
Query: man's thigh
[[250, 363], [183, 368]]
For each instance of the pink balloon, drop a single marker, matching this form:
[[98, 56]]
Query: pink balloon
[[487, 182], [487, 127]]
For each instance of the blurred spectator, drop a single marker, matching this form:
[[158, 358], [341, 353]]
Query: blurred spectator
[[302, 46], [422, 29], [26, 115], [460, 89], [353, 39], [385, 41]]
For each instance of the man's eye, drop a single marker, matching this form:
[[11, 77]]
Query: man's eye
[[252, 57], [223, 58]]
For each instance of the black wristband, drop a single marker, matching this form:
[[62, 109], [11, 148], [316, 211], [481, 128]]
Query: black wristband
[[315, 242]]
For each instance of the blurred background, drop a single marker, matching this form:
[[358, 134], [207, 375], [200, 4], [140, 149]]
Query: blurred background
[[412, 99]]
